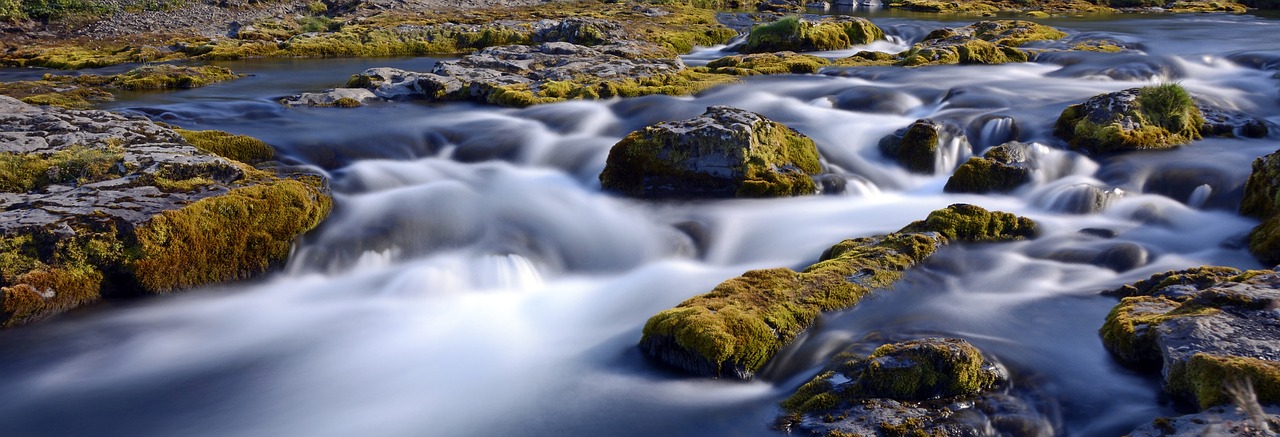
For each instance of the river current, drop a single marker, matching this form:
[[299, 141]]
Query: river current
[[474, 280]]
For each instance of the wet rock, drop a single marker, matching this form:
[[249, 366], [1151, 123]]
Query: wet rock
[[340, 97], [918, 147], [1153, 117], [984, 42], [1001, 169], [98, 205], [875, 99], [555, 71], [725, 152], [1078, 198], [931, 386], [733, 330], [1224, 123], [768, 63], [580, 31], [797, 34], [1202, 338], [1262, 200], [1217, 421]]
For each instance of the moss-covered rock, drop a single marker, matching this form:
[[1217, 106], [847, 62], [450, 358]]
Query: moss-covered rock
[[1201, 337], [1001, 170], [241, 148], [1262, 200], [796, 34], [84, 91], [1153, 117], [736, 328], [109, 207], [924, 369], [918, 146], [725, 152], [768, 63], [1206, 6]]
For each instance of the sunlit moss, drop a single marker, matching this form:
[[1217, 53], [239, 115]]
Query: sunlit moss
[[23, 172], [795, 34], [1162, 116], [241, 148], [1203, 379], [768, 63]]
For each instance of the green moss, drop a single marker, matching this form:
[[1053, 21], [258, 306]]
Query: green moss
[[915, 148], [945, 6], [1262, 189], [317, 8], [1014, 33], [1097, 46], [74, 55], [1264, 241], [43, 92], [768, 63], [42, 274], [985, 174], [795, 34], [233, 236], [1198, 277], [236, 147], [918, 370], [739, 325], [1165, 116], [1207, 6], [1203, 378], [1129, 331], [813, 396], [907, 427], [20, 173], [347, 102], [683, 82]]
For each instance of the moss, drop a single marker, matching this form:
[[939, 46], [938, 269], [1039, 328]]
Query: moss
[[768, 63], [49, 93], [919, 370], [984, 175], [1097, 46], [813, 396], [915, 148], [795, 34], [20, 173], [1202, 379], [236, 147], [734, 329], [74, 55], [907, 427], [1162, 116], [42, 274], [255, 227], [347, 102], [972, 223], [1129, 331], [1206, 6], [1014, 33], [1198, 277], [945, 6], [683, 82]]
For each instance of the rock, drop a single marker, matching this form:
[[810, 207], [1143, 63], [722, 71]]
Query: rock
[[725, 152], [917, 147], [1000, 170], [932, 386], [796, 34], [1217, 421], [1224, 123], [1201, 337], [580, 31], [1261, 194], [340, 97], [1079, 198], [768, 63], [97, 205], [733, 330], [520, 75], [1153, 117], [984, 42]]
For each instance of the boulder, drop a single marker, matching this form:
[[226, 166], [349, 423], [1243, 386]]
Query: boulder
[[1153, 117], [917, 146], [931, 386], [339, 97], [1223, 421], [98, 205], [737, 327], [725, 152], [797, 34], [1001, 170], [984, 42], [1201, 337], [1262, 201]]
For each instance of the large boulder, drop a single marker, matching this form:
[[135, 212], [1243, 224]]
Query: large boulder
[[931, 386], [725, 152], [925, 145], [737, 327], [1262, 200], [797, 34], [1153, 117], [1201, 333], [98, 205]]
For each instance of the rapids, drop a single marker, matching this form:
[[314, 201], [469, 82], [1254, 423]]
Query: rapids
[[474, 280]]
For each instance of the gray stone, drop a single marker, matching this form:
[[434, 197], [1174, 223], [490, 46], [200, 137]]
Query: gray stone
[[1217, 421], [330, 97]]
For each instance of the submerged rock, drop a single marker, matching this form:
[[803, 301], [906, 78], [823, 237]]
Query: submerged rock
[[98, 205], [1262, 200], [725, 152], [918, 146], [734, 329], [1201, 337], [931, 386], [1153, 117], [797, 34]]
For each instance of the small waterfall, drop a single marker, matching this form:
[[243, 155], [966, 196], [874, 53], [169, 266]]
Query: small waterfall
[[997, 130], [952, 150], [1073, 196], [1199, 196]]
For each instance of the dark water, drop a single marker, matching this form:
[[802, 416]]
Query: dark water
[[473, 279]]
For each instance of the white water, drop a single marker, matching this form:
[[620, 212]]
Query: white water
[[474, 280]]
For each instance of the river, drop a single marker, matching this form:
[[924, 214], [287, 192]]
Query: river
[[473, 280]]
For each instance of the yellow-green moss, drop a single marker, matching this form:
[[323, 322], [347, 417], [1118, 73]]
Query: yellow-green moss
[[20, 173], [241, 148], [233, 236], [683, 82], [164, 76], [795, 34], [940, 368], [1129, 331], [741, 323], [43, 92], [945, 6], [42, 275], [1199, 277], [768, 63], [1207, 6], [1203, 378], [347, 102], [1097, 46], [1165, 115], [984, 175], [813, 396], [83, 54]]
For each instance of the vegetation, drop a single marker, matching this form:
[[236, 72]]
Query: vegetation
[[241, 148], [915, 148], [768, 63], [1262, 200], [1204, 378], [1160, 116], [737, 327], [152, 77], [43, 92], [795, 34], [684, 82], [20, 173]]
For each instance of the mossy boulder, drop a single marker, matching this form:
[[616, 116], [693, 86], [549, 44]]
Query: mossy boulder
[[984, 42], [918, 146], [797, 34], [1000, 170], [103, 206], [1201, 337], [923, 369], [768, 63], [725, 152], [1262, 200], [1153, 117], [1183, 7], [733, 330]]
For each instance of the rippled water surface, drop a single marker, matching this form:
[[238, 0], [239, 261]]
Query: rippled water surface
[[474, 280]]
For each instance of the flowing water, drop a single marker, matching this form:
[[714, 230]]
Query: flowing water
[[474, 280]]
